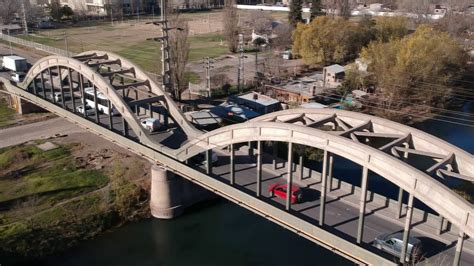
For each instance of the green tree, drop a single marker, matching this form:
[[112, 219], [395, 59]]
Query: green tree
[[316, 9], [329, 40], [295, 16], [67, 11], [387, 28], [55, 10], [404, 67]]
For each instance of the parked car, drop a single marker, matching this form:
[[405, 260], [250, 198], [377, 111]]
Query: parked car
[[279, 190], [392, 244], [151, 124], [89, 110], [18, 77]]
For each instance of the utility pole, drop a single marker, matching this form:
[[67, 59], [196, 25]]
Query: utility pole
[[66, 44], [25, 24], [10, 41], [208, 65], [241, 57]]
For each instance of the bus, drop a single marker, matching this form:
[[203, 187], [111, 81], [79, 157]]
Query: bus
[[102, 101]]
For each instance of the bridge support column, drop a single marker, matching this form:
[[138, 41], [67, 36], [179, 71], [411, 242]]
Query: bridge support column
[[232, 164], [322, 205], [111, 121], [71, 89], [259, 168], [301, 167], [289, 179], [459, 244], [400, 203], [275, 154], [363, 201], [43, 87], [441, 225], [165, 201], [330, 168], [150, 108], [61, 88], [97, 118], [407, 228], [209, 162], [125, 127], [250, 143]]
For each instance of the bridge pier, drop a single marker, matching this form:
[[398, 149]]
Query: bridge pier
[[232, 164], [459, 244], [400, 203], [259, 168], [165, 201], [289, 176], [275, 154], [363, 201], [23, 107], [407, 228], [322, 205]]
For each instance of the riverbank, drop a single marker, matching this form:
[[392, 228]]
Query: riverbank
[[51, 199]]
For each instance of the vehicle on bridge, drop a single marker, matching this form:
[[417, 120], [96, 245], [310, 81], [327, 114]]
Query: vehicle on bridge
[[102, 102], [151, 124], [392, 244], [15, 63], [58, 96], [18, 76], [279, 190], [201, 158], [88, 110]]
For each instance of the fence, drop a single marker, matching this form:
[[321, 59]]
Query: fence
[[35, 45], [56, 51]]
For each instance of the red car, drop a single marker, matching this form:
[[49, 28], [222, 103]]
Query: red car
[[279, 190]]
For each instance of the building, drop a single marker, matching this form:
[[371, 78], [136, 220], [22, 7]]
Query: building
[[333, 75], [298, 91], [257, 102]]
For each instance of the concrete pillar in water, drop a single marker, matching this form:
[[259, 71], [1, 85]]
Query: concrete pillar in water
[[165, 202]]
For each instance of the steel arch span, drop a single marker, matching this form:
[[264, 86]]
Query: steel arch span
[[432, 193], [401, 140]]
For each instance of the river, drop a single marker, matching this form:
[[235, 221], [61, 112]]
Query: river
[[221, 233]]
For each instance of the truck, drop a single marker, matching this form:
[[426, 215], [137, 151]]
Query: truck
[[15, 63]]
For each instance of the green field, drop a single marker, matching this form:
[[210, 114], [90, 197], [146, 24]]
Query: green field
[[6, 114], [49, 201]]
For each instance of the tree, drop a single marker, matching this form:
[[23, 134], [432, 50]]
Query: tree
[[34, 14], [8, 9], [338, 7], [179, 53], [55, 10], [231, 27], [295, 14], [403, 67], [387, 28], [316, 9], [261, 22], [329, 40], [67, 11], [282, 39]]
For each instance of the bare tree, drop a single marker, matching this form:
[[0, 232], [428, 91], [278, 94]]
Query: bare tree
[[8, 8], [179, 52], [339, 7], [283, 37], [260, 21], [231, 28]]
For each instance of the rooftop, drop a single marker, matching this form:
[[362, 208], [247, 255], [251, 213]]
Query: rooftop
[[335, 68], [259, 98], [203, 118]]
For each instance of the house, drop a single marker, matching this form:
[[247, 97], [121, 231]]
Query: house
[[298, 91], [257, 102], [333, 75]]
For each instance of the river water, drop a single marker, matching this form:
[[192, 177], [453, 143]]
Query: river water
[[221, 233]]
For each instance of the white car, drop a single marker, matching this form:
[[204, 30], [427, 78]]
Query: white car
[[151, 124], [89, 110], [57, 96], [18, 77]]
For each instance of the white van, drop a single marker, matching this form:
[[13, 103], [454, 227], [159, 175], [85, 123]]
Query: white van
[[152, 124], [18, 76]]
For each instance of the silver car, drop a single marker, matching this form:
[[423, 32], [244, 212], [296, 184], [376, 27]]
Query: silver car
[[392, 243]]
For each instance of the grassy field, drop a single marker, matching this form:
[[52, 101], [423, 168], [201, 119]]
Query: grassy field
[[49, 200], [6, 114]]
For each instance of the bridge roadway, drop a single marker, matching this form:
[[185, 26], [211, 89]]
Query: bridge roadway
[[342, 208], [152, 146]]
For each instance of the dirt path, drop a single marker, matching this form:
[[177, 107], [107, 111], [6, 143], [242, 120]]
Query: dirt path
[[40, 130]]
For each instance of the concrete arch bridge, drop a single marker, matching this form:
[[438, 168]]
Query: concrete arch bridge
[[125, 95]]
